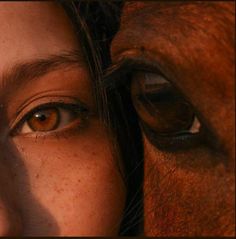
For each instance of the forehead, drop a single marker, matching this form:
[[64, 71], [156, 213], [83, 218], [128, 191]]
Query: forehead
[[31, 30]]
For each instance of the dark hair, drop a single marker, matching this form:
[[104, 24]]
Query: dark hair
[[96, 24]]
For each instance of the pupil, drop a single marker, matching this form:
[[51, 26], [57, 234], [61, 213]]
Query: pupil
[[41, 117]]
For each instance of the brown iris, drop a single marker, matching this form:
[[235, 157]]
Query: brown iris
[[44, 120], [159, 105]]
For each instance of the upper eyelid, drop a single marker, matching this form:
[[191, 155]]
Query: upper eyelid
[[45, 94], [113, 75]]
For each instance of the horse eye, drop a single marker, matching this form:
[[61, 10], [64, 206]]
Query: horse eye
[[161, 108]]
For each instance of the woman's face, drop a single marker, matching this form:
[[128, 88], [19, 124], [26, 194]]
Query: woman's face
[[58, 175]]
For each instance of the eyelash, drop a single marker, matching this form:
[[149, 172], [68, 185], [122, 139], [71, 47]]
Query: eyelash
[[77, 108]]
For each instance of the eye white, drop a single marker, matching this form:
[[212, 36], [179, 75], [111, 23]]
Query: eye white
[[152, 82], [195, 128]]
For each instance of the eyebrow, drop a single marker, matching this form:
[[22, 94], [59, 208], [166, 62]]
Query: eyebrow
[[23, 72]]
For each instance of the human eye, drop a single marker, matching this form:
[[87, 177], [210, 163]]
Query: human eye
[[168, 120], [50, 117]]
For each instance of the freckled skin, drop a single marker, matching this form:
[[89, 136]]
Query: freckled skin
[[61, 183], [189, 193]]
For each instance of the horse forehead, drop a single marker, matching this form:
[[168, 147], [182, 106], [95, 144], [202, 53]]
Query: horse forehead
[[147, 8], [144, 19]]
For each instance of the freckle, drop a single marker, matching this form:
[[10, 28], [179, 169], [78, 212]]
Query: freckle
[[78, 181], [37, 175], [59, 190]]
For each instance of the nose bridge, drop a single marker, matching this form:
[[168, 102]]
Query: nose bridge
[[10, 219]]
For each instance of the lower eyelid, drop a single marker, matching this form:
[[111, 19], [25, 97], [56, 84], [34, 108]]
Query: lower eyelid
[[172, 143]]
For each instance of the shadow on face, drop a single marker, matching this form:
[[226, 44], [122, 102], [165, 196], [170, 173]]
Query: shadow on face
[[180, 59], [26, 214], [54, 181]]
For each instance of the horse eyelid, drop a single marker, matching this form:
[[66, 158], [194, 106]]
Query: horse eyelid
[[116, 74]]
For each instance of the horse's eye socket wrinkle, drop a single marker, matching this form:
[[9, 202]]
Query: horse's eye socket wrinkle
[[168, 120]]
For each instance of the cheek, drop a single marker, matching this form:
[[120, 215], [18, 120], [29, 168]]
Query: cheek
[[184, 199], [70, 185]]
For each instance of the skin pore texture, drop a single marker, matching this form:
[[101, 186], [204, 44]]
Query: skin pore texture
[[63, 181], [188, 191]]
